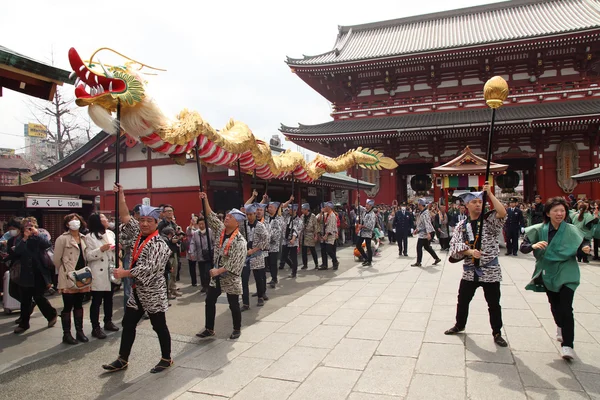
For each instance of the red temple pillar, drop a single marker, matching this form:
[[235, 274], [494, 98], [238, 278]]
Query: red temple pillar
[[539, 172], [437, 190], [595, 192]]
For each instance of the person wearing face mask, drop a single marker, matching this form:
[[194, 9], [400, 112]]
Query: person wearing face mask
[[100, 253], [69, 256], [27, 247], [404, 223]]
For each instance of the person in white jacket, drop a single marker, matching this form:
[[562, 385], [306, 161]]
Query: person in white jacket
[[100, 254]]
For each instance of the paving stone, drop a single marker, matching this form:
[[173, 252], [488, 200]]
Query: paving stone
[[306, 301], [407, 321], [377, 379], [355, 284], [513, 302], [325, 308], [443, 313], [581, 305], [284, 314], [345, 317], [590, 382], [327, 383], [371, 396], [547, 394], [590, 322], [489, 381], [373, 290], [218, 356], [199, 396], [417, 305], [359, 303], [273, 346], [370, 329], [428, 387], [382, 311], [322, 290], [401, 344], [341, 295], [529, 339], [264, 388], [302, 324], [351, 354], [435, 333], [324, 336], [519, 318], [587, 358], [232, 377], [542, 311], [258, 331], [391, 297], [432, 354], [296, 364], [546, 371], [483, 348]]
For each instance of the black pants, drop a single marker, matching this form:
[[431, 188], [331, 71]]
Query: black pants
[[285, 255], [245, 281], [30, 294], [159, 325], [273, 265], [596, 246], [561, 305], [391, 236], [323, 247], [581, 256], [211, 309], [512, 241], [260, 276], [313, 252], [292, 258], [193, 273], [491, 291], [402, 239], [204, 267], [97, 299], [369, 255], [330, 250], [72, 301], [445, 243], [424, 244]]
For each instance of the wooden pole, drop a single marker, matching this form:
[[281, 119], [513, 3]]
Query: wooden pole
[[117, 169], [208, 243]]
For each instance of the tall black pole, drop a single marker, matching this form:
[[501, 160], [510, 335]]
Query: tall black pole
[[208, 244], [241, 189], [357, 194], [117, 169], [484, 197]]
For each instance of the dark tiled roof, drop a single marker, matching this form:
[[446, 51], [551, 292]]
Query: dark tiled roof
[[490, 23], [11, 162], [593, 175], [64, 188], [448, 119], [19, 61]]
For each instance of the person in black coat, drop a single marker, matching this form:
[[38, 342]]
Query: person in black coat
[[514, 226], [404, 223], [34, 277], [537, 211]]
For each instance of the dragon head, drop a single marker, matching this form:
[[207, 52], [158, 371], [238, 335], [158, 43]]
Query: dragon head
[[99, 85]]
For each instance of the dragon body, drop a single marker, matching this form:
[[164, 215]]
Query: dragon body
[[101, 88]]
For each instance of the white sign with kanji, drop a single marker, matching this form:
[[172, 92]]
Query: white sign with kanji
[[53, 202]]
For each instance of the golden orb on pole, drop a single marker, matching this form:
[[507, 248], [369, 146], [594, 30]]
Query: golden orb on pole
[[495, 91]]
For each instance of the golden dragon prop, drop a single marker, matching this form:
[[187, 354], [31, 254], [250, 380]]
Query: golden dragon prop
[[101, 87]]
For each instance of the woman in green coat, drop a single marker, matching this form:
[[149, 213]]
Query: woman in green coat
[[586, 222], [555, 244]]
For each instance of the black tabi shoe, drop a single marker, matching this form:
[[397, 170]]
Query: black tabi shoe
[[436, 262], [336, 266], [416, 264], [265, 297], [52, 321], [110, 326], [272, 284], [500, 341], [206, 333], [304, 267], [254, 294], [281, 267], [118, 365], [507, 254], [292, 276], [18, 321], [367, 264], [161, 366], [261, 302], [244, 308], [19, 329], [98, 333], [453, 331], [235, 335], [405, 255]]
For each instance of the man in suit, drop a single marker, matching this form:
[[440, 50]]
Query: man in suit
[[515, 225], [404, 223]]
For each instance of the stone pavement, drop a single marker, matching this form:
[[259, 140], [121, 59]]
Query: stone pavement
[[377, 334]]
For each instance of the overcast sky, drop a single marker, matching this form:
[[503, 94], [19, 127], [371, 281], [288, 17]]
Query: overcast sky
[[224, 59]]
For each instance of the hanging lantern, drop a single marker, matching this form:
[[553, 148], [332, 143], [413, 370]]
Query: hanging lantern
[[508, 181], [420, 183]]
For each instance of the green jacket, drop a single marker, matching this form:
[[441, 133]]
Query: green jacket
[[582, 225], [556, 265]]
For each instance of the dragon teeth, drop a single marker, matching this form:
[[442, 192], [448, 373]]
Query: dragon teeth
[[87, 75], [96, 78], [77, 82], [71, 75], [110, 87], [82, 68]]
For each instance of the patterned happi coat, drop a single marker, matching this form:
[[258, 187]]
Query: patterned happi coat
[[259, 237], [309, 229], [149, 271], [274, 226], [233, 262], [295, 231]]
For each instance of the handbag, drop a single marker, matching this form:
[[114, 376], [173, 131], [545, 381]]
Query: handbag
[[81, 278], [205, 252], [15, 271], [47, 260], [111, 266]]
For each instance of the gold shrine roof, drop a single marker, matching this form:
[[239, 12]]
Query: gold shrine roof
[[468, 163], [491, 23]]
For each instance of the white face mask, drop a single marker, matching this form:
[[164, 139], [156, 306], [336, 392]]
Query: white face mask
[[14, 232], [403, 209], [74, 225], [111, 225]]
